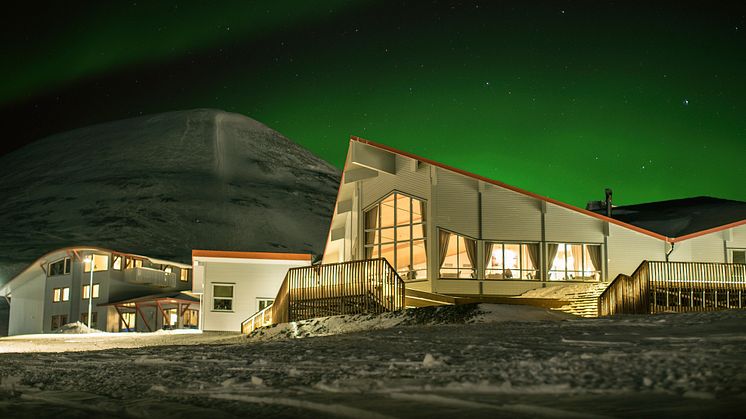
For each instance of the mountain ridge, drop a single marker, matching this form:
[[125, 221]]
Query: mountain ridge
[[160, 185]]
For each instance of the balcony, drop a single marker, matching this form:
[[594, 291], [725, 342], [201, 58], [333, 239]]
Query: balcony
[[151, 277]]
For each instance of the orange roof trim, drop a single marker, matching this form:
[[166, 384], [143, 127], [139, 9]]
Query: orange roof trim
[[251, 255], [543, 198]]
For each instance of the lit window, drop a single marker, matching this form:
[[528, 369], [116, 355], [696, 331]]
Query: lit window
[[66, 294], [574, 262], [100, 263], [511, 260], [395, 230], [222, 297], [130, 263], [458, 255], [86, 291], [168, 269], [56, 295], [184, 275], [116, 262]]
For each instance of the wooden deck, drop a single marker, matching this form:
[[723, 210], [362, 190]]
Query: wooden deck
[[676, 287]]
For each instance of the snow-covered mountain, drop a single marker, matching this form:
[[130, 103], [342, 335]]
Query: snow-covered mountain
[[162, 185]]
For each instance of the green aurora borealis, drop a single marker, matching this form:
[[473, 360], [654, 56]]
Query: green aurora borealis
[[560, 98]]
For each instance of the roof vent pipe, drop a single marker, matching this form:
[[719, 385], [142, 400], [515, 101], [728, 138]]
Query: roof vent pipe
[[608, 202]]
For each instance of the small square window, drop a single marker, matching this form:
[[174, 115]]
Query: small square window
[[222, 297]]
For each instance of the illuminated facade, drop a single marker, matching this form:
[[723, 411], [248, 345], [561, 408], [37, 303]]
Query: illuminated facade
[[448, 231], [130, 293]]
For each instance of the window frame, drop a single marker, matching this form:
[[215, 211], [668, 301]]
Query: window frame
[[378, 243], [732, 251], [93, 262], [521, 254], [259, 301], [65, 270], [96, 290], [231, 298], [56, 295], [567, 272], [458, 269]]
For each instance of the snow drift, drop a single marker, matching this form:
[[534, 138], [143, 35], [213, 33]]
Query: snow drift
[[162, 185]]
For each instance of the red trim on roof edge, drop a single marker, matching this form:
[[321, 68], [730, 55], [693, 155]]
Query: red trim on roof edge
[[708, 231], [543, 198], [251, 255]]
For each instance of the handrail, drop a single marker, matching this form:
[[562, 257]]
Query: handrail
[[659, 285], [353, 287], [626, 294], [259, 319]]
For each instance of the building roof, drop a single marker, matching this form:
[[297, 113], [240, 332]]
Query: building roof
[[701, 225], [682, 217], [251, 255]]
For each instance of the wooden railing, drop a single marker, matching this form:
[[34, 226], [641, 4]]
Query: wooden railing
[[675, 286], [696, 286], [626, 294], [356, 287]]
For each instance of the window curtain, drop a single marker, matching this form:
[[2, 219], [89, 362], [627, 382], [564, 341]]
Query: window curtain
[[577, 255], [533, 255], [443, 238], [594, 252], [424, 225], [471, 253], [488, 253], [371, 222], [552, 249]]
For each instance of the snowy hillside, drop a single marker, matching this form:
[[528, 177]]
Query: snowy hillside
[[161, 185]]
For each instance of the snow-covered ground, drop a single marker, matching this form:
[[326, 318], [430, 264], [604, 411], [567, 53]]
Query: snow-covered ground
[[470, 365]]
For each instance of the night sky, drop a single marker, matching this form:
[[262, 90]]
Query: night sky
[[560, 98]]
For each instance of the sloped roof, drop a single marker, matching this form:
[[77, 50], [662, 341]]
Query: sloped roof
[[681, 217], [718, 217]]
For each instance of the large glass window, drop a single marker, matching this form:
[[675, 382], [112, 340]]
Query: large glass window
[[100, 263], [60, 267], [511, 260], [222, 297], [574, 262], [458, 255], [395, 230]]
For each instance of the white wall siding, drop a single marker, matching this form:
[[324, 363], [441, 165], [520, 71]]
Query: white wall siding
[[738, 237], [707, 248], [27, 307], [457, 203], [251, 279], [508, 215], [415, 183], [564, 225], [627, 249]]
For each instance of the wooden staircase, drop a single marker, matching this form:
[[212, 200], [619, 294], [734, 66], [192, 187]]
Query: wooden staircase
[[584, 303]]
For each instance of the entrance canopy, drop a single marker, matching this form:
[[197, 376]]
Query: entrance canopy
[[165, 303]]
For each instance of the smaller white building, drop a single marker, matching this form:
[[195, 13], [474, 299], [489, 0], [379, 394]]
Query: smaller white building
[[235, 285]]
